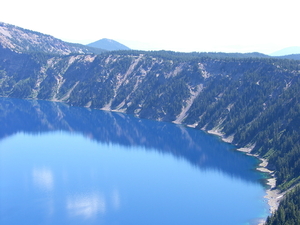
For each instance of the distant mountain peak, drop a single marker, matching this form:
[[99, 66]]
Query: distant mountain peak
[[287, 51], [108, 44]]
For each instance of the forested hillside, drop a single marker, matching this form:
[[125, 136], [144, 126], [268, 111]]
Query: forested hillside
[[251, 99]]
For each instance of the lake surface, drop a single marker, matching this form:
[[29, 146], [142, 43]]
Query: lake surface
[[67, 165]]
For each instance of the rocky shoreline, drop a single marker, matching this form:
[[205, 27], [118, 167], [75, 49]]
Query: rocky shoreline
[[273, 195]]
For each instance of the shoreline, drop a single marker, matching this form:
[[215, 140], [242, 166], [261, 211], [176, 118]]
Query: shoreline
[[273, 195]]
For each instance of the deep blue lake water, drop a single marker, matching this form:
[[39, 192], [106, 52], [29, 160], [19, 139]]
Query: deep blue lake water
[[67, 165]]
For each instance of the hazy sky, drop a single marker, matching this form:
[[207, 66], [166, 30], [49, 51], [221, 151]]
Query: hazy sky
[[190, 25]]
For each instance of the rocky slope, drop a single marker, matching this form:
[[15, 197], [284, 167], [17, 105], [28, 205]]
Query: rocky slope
[[22, 40]]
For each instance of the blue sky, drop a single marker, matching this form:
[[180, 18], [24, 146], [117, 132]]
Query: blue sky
[[215, 25]]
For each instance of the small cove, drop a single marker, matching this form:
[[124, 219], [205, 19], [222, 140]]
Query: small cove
[[69, 165]]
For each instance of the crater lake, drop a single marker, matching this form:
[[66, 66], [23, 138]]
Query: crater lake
[[68, 165]]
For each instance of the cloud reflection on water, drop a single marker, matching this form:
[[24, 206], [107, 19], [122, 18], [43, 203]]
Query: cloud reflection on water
[[115, 198], [92, 204], [43, 178], [86, 206]]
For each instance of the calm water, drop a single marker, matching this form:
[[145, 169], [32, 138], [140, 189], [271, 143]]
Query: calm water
[[66, 165]]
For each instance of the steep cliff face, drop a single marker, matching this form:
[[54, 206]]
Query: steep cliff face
[[134, 83], [22, 40]]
